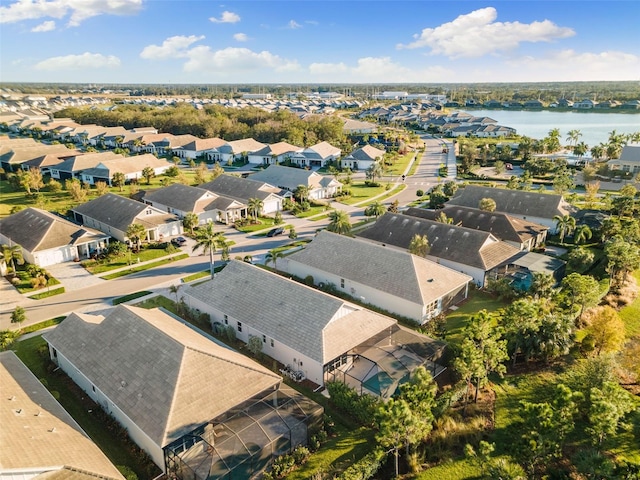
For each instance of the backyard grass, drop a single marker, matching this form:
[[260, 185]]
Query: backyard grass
[[460, 469], [458, 319], [339, 452], [631, 313], [130, 258], [142, 268], [401, 164], [157, 302], [34, 354]]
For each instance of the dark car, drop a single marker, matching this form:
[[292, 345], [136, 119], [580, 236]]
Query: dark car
[[275, 231], [179, 241]]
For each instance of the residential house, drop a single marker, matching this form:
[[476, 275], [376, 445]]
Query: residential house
[[629, 161], [318, 155], [235, 150], [15, 156], [48, 239], [362, 158], [273, 154], [198, 148], [73, 167], [181, 199], [313, 333], [395, 281], [473, 252], [540, 208], [631, 105], [175, 391], [352, 127], [522, 234], [585, 104], [38, 438], [165, 144], [289, 178], [112, 214], [130, 167], [242, 190]]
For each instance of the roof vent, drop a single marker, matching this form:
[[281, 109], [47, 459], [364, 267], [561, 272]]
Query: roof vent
[[123, 383], [52, 429]]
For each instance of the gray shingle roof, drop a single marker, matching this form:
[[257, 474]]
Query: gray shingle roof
[[503, 226], [120, 212], [289, 312], [36, 230], [367, 153], [180, 197], [241, 189], [37, 433], [457, 244], [515, 202], [163, 375], [289, 177], [398, 273]]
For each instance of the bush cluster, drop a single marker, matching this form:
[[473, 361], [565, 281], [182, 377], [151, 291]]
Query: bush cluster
[[359, 407]]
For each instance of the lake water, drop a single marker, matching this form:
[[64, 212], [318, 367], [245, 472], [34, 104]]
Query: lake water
[[594, 126]]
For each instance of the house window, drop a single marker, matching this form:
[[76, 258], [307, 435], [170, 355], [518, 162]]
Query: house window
[[264, 339], [239, 326], [300, 363], [272, 343], [342, 283], [226, 319], [93, 387]]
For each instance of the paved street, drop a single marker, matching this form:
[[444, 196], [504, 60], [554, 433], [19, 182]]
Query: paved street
[[85, 293]]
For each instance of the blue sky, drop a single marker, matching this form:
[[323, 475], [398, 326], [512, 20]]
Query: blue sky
[[185, 41]]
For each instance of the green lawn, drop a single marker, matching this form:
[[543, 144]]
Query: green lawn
[[25, 286], [34, 353], [313, 210], [457, 320], [131, 296], [130, 258], [401, 164], [453, 470], [361, 193], [263, 223], [631, 313], [142, 268], [47, 293]]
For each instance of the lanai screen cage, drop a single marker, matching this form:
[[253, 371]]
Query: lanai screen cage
[[240, 444], [386, 361]]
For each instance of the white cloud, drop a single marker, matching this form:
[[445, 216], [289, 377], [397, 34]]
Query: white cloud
[[234, 60], [226, 17], [78, 10], [172, 47], [569, 65], [477, 34], [293, 25], [45, 26], [240, 37], [328, 68], [312, 22], [76, 62]]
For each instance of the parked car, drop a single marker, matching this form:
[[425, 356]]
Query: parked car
[[275, 231], [179, 241]]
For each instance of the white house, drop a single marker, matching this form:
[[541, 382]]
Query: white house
[[362, 158], [130, 167], [48, 239], [289, 178], [317, 155], [242, 190], [112, 214], [158, 377], [273, 154], [629, 161], [395, 281], [311, 332]]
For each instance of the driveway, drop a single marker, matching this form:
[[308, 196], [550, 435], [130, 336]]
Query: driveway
[[73, 276]]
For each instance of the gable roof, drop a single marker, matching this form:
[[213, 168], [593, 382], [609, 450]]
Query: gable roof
[[398, 273], [24, 153], [291, 177], [86, 160], [37, 434], [120, 212], [367, 153], [244, 145], [279, 148], [503, 226], [323, 150], [182, 197], [200, 144], [36, 230], [289, 312], [515, 202], [457, 244], [241, 189], [181, 378], [127, 165]]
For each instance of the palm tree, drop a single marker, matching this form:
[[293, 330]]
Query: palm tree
[[582, 232], [487, 204], [573, 136], [255, 205], [273, 256], [118, 179], [597, 152], [148, 173], [136, 232], [208, 240], [375, 209], [376, 170], [442, 218], [419, 245], [175, 289], [190, 221], [301, 192], [339, 222], [565, 224], [12, 255]]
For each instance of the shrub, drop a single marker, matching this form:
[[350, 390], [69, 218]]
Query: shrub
[[366, 467], [420, 193], [308, 280], [360, 407]]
